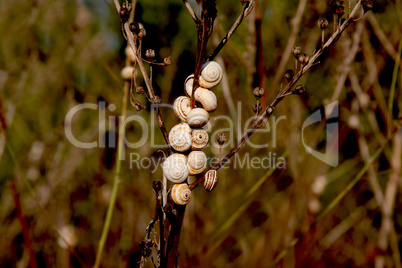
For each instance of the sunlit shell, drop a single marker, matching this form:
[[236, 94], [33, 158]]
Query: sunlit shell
[[181, 107], [127, 72], [197, 117], [181, 193], [130, 54], [188, 85], [200, 139], [211, 74], [211, 179], [180, 137], [175, 168], [196, 162], [207, 99]]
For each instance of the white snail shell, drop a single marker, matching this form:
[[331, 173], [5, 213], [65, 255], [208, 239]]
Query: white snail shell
[[180, 137], [197, 117], [188, 85], [211, 179], [200, 139], [181, 107], [130, 54], [196, 162], [204, 96], [207, 99], [211, 74], [127, 72], [181, 193], [175, 168]]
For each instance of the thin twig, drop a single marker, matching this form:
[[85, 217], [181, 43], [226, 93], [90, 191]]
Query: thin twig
[[269, 110], [191, 11], [248, 7], [296, 21]]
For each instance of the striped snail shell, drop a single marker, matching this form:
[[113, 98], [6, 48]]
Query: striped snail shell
[[181, 107], [211, 74], [188, 85], [181, 193], [211, 179], [180, 137], [175, 168], [197, 117], [196, 162], [200, 139]]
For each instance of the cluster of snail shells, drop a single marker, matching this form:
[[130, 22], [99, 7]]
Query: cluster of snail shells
[[188, 138]]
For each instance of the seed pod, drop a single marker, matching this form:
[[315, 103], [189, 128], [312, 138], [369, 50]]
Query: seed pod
[[289, 75], [367, 5], [221, 138], [303, 58], [255, 108], [299, 90], [323, 24], [134, 27], [140, 90], [258, 92], [150, 54], [296, 52]]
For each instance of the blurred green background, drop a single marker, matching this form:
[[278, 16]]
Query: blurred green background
[[55, 55]]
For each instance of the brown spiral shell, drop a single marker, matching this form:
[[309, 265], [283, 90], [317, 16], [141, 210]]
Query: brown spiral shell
[[211, 179], [200, 139], [181, 193]]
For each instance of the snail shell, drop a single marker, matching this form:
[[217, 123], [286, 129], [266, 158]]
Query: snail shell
[[197, 162], [211, 179], [197, 117], [181, 193], [204, 96], [127, 72], [181, 107], [211, 74], [180, 137], [200, 139], [175, 168], [130, 54], [207, 99]]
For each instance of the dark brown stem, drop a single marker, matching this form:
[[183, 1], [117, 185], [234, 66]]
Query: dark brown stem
[[174, 237], [24, 226], [204, 31]]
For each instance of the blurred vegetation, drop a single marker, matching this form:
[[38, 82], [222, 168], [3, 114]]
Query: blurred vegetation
[[57, 54]]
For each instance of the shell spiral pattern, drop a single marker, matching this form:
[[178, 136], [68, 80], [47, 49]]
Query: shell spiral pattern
[[211, 74], [180, 137], [197, 162], [181, 107], [197, 117], [200, 138], [175, 168], [211, 179], [181, 193]]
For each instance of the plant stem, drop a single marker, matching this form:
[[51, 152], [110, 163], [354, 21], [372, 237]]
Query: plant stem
[[116, 180]]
